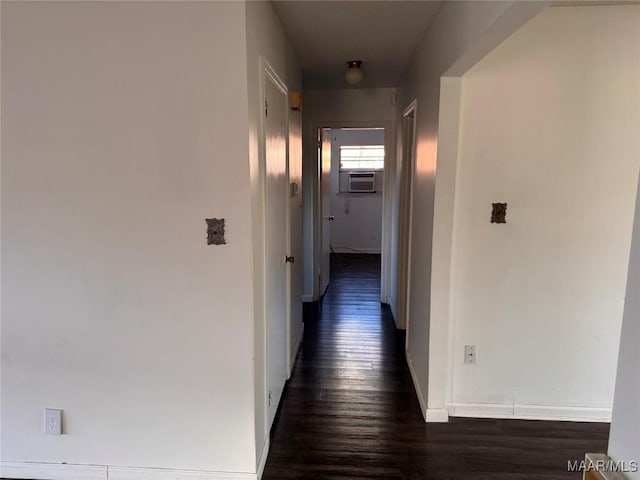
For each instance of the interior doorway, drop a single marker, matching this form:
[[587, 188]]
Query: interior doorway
[[351, 173]]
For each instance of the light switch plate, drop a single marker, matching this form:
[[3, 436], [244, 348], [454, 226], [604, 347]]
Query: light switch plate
[[498, 213], [215, 231], [53, 421]]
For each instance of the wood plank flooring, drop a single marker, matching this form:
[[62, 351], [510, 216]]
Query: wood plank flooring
[[350, 411]]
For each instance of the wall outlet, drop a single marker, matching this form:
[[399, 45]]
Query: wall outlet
[[53, 421], [470, 353]]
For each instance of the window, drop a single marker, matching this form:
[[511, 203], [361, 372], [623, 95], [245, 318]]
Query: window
[[361, 157]]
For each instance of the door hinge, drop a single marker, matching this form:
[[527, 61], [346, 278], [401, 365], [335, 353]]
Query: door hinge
[[270, 397], [266, 108]]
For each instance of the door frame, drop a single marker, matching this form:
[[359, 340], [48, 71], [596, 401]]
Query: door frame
[[268, 73], [319, 260], [404, 271], [385, 247]]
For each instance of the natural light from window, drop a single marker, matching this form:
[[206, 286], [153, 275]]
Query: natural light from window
[[361, 157]]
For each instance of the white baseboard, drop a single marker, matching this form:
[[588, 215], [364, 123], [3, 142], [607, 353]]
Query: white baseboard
[[481, 410], [262, 461], [134, 473], [307, 298], [394, 312], [296, 347], [52, 471], [567, 413], [355, 250], [56, 471], [530, 412], [437, 415], [421, 398]]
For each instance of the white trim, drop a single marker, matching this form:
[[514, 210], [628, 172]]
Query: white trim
[[567, 413], [139, 473], [481, 410], [421, 398], [561, 412], [317, 215], [411, 109], [52, 471], [296, 347], [450, 93], [386, 244], [275, 78], [394, 312], [437, 415], [262, 160], [60, 471], [262, 461], [376, 251], [307, 298]]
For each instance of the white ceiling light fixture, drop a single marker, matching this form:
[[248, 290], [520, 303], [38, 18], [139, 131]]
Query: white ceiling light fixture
[[353, 75]]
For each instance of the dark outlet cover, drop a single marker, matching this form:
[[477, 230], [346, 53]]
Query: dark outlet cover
[[215, 231]]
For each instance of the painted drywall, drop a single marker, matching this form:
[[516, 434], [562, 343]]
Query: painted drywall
[[358, 217], [124, 126], [624, 438], [455, 33], [548, 124], [266, 40], [335, 109]]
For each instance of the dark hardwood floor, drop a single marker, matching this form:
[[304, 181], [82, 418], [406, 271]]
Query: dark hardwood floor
[[350, 410]]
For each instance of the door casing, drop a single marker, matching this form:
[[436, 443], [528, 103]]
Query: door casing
[[385, 274], [406, 174], [271, 79], [324, 187]]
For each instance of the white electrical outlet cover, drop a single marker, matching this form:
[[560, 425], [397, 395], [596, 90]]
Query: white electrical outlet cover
[[470, 353], [53, 421]]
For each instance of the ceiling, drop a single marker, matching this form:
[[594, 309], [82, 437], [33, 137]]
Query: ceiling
[[383, 34]]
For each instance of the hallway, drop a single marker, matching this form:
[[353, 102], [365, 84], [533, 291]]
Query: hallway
[[350, 411]]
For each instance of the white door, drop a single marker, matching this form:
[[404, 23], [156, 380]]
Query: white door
[[276, 205], [295, 232], [325, 209]]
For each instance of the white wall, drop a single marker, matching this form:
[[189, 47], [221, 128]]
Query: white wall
[[624, 439], [339, 108], [549, 124], [265, 38], [124, 126], [358, 217], [461, 32]]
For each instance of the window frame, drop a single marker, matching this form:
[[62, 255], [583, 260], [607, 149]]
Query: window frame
[[378, 159]]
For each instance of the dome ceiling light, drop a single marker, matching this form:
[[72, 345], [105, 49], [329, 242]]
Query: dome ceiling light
[[353, 75]]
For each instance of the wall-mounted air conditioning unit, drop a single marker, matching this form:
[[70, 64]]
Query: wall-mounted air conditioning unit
[[362, 182]]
